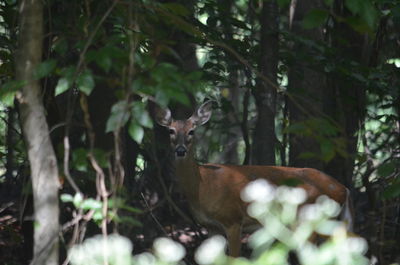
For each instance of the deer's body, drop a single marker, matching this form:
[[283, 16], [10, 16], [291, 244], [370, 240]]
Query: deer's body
[[213, 190]]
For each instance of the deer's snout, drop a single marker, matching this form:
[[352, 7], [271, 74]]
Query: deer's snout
[[180, 151]]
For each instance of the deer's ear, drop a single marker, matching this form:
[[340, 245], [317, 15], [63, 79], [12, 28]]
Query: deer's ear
[[203, 113], [162, 116]]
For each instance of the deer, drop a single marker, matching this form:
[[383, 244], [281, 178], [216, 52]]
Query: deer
[[213, 190]]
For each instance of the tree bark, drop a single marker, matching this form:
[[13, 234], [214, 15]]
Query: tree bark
[[10, 141], [263, 151], [347, 104], [306, 88], [230, 139], [230, 143], [41, 154]]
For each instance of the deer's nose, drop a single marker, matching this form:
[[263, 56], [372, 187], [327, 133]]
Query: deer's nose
[[181, 151]]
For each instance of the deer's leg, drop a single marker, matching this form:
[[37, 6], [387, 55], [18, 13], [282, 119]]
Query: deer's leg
[[234, 234]]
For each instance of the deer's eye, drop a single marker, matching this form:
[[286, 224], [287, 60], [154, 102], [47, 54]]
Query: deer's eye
[[171, 131], [191, 132]]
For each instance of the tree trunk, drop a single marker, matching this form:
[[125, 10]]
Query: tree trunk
[[263, 151], [306, 87], [10, 142], [230, 142], [347, 104], [41, 155], [231, 134]]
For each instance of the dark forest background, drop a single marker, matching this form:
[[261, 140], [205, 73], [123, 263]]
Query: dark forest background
[[296, 83]]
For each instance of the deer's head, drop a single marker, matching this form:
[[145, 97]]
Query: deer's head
[[181, 132]]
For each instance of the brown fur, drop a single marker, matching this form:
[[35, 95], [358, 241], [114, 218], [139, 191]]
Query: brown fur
[[213, 190]]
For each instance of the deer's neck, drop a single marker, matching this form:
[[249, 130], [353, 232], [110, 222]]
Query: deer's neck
[[188, 173]]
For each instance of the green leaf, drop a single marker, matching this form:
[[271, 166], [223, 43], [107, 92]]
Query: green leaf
[[327, 150], [136, 132], [296, 128], [78, 198], [60, 46], [307, 155], [370, 14], [120, 204], [386, 169], [44, 68], [102, 157], [180, 96], [104, 62], [97, 216], [161, 97], [66, 197], [145, 61], [323, 126], [130, 209], [145, 120], [120, 114], [137, 85], [91, 204], [141, 115], [177, 9], [85, 82], [102, 57], [392, 191], [315, 18], [358, 24], [355, 6], [79, 159], [366, 11], [63, 85], [8, 91]]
